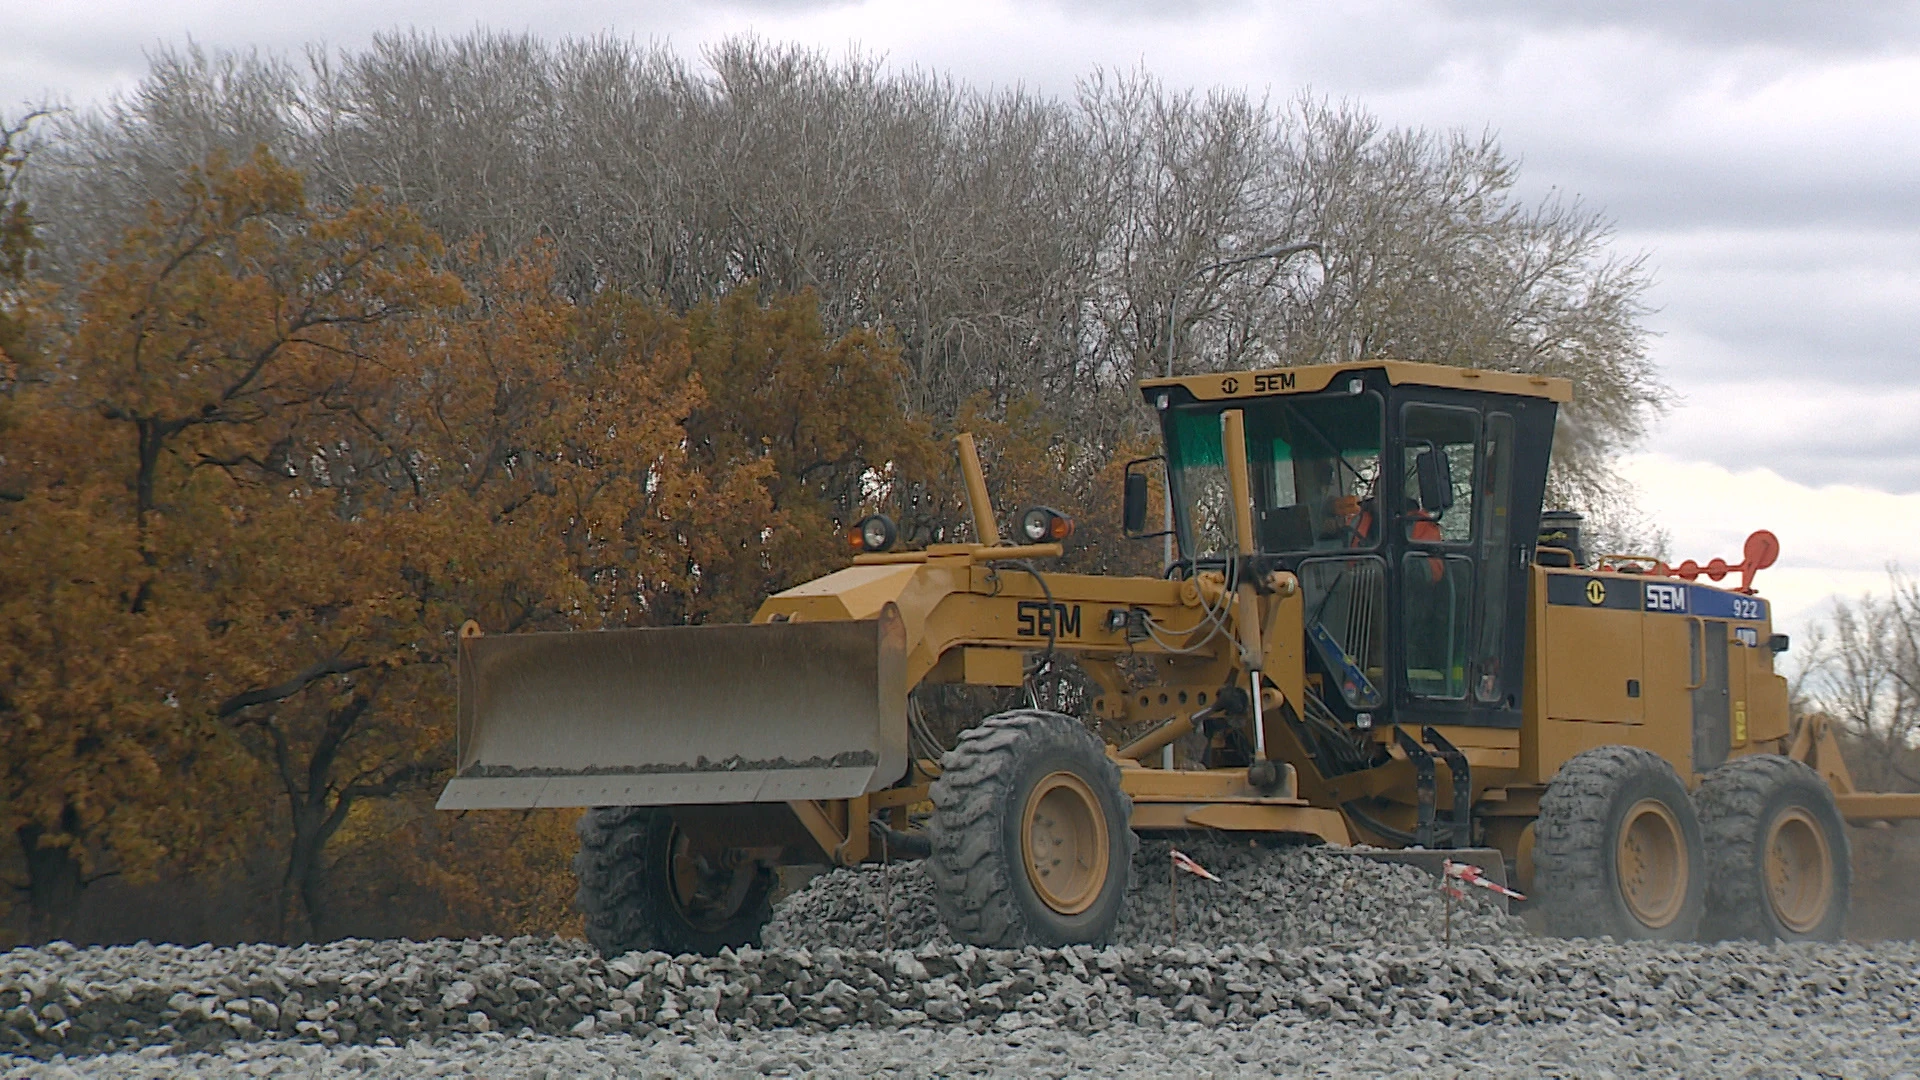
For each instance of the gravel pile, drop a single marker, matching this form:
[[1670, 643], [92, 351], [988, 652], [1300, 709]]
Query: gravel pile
[[63, 1000], [1288, 896], [1691, 1049], [1303, 960]]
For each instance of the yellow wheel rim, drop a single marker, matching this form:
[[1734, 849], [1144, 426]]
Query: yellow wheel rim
[[698, 891], [1799, 870], [1652, 862], [1064, 836]]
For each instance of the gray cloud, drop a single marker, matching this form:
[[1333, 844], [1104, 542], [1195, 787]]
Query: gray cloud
[[1781, 303], [1795, 25], [1761, 153], [1819, 430]]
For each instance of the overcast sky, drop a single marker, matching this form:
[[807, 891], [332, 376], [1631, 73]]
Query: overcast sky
[[1765, 155]]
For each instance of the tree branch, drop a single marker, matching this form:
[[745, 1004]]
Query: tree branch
[[281, 692]]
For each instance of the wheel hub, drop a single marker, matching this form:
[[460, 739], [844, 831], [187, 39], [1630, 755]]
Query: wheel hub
[[1064, 840], [707, 895], [1651, 860], [1799, 870]]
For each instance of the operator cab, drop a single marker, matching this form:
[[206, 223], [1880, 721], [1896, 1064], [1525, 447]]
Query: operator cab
[[1405, 497]]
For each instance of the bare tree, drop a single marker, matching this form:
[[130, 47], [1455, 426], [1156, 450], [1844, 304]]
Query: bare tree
[[1862, 668], [1018, 247]]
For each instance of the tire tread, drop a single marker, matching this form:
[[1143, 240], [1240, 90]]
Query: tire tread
[[973, 884], [1732, 800]]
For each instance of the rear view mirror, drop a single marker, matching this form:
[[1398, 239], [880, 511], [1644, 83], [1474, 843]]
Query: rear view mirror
[[1133, 512], [1435, 474], [1135, 495]]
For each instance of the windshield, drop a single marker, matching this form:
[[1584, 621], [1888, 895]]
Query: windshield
[[1315, 463]]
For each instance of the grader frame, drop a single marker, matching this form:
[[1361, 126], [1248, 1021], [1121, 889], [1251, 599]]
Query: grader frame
[[786, 741]]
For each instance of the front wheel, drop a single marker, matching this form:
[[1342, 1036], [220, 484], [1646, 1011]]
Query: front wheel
[[1779, 851], [1617, 849], [643, 886], [1030, 835]]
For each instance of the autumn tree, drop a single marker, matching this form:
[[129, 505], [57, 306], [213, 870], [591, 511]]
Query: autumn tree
[[100, 742], [212, 339], [320, 453], [827, 415], [1015, 246]]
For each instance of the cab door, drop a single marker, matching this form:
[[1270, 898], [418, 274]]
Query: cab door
[[1438, 565], [1461, 571], [1712, 712]]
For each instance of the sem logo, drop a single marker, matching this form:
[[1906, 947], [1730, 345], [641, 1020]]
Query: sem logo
[[1040, 619], [1596, 592], [1229, 385], [1666, 598]]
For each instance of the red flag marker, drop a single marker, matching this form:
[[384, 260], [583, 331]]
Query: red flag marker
[[1182, 862], [1469, 873]]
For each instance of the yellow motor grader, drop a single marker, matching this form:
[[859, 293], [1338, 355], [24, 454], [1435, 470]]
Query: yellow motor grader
[[1363, 597]]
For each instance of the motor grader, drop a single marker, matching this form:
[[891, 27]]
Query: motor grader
[[1367, 634]]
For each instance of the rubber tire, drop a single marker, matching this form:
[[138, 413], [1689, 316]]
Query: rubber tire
[[979, 874], [623, 890], [1738, 802], [1576, 845]]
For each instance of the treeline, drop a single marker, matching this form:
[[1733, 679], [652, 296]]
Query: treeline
[[304, 366], [1014, 244], [262, 459]]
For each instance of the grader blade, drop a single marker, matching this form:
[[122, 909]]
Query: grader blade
[[681, 715]]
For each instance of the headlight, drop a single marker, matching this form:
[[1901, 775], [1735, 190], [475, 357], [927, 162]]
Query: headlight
[[875, 533], [1042, 525]]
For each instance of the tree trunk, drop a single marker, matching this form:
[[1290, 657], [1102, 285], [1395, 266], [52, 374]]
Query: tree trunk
[[54, 882], [302, 890]]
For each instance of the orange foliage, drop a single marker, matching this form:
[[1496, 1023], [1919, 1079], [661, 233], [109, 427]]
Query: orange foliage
[[1030, 461], [277, 454], [405, 869]]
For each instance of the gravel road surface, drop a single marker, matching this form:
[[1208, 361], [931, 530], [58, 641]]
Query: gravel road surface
[[1280, 896], [1303, 963]]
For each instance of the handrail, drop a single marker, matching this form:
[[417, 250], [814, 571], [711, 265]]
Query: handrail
[[978, 553]]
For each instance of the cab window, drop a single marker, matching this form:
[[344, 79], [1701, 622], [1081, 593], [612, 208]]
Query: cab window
[[1437, 473], [1315, 463]]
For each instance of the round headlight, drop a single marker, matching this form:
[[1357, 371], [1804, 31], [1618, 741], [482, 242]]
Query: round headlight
[[876, 533], [1033, 525], [1042, 525]]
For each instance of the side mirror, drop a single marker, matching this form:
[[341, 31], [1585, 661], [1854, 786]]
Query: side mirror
[[1134, 497], [1133, 511], [1435, 473]]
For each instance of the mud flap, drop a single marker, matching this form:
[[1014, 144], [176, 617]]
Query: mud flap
[[681, 715]]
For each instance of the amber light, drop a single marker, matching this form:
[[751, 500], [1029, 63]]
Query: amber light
[[1043, 524], [873, 533]]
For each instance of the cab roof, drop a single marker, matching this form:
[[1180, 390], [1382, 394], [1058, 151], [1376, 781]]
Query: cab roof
[[1267, 382]]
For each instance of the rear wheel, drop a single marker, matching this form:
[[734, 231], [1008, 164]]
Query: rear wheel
[[1617, 849], [1030, 836], [1779, 851], [642, 886]]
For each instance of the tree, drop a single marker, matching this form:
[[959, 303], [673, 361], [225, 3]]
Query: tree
[[318, 454], [828, 417], [705, 318], [17, 241], [215, 337], [1862, 668], [1013, 245], [83, 723]]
